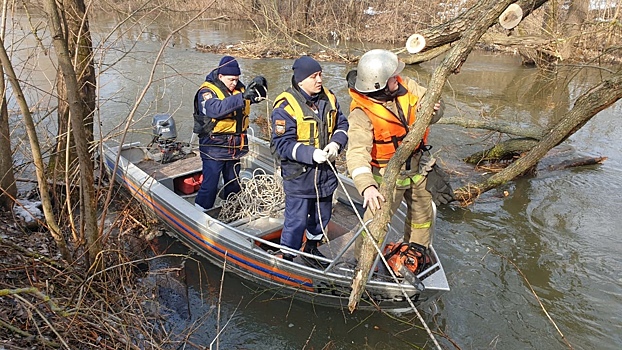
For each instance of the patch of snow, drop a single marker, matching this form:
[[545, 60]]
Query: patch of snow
[[28, 210], [370, 11]]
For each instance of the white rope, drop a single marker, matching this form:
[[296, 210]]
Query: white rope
[[260, 196]]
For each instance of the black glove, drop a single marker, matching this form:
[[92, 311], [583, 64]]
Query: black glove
[[261, 85], [439, 187], [257, 90], [259, 80], [251, 94]]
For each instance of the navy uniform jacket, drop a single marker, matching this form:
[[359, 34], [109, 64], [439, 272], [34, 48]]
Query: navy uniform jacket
[[225, 146], [297, 166]]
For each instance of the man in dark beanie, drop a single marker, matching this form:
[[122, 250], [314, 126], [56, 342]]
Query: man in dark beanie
[[308, 131], [221, 118]]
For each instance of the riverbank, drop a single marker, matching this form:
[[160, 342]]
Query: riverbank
[[46, 302], [259, 49]]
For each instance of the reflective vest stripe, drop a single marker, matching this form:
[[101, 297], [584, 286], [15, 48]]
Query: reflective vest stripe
[[236, 122], [415, 180], [308, 132], [424, 225]]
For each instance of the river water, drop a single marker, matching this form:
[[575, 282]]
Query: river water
[[556, 232]]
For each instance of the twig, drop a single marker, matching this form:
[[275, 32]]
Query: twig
[[309, 338], [44, 319], [15, 330], [36, 292], [535, 295], [222, 280]]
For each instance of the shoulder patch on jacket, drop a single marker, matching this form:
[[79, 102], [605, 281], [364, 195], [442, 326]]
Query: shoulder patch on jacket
[[279, 127]]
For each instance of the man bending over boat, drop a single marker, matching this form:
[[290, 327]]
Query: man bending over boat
[[308, 132], [221, 118]]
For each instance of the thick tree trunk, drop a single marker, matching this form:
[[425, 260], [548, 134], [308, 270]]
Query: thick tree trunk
[[488, 13], [7, 177], [7, 180], [79, 133], [506, 150], [78, 36], [598, 99], [80, 48]]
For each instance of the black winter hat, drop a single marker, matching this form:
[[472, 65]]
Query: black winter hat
[[228, 66], [305, 66]]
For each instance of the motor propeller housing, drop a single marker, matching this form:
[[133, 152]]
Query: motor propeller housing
[[164, 128]]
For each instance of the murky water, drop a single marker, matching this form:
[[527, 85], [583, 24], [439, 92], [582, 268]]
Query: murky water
[[556, 233]]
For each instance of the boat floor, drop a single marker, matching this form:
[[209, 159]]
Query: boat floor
[[191, 162]]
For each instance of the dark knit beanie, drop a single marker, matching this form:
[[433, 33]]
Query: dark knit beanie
[[305, 66], [228, 66]]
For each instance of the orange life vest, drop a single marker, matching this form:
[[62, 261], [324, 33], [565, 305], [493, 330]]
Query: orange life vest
[[389, 129]]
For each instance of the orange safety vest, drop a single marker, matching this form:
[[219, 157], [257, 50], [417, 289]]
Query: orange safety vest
[[389, 129]]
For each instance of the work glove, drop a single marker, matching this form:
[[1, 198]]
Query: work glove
[[261, 81], [320, 156], [251, 94], [332, 149], [257, 90], [439, 187]]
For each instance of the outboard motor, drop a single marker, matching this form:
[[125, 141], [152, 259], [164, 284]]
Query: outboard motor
[[164, 130], [165, 137]]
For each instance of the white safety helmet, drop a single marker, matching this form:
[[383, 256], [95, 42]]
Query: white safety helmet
[[375, 68]]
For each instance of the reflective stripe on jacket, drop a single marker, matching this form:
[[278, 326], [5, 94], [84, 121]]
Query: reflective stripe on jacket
[[306, 121], [389, 129], [236, 122]]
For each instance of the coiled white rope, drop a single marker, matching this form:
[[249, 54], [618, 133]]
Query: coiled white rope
[[260, 195]]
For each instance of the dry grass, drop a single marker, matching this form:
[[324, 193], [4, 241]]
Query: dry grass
[[44, 303]]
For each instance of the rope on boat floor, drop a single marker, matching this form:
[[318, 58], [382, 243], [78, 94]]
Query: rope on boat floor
[[260, 195]]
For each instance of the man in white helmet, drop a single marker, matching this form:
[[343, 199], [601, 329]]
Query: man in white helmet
[[381, 114]]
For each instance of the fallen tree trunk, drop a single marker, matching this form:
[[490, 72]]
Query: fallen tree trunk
[[451, 31], [576, 162], [506, 150], [599, 98], [533, 132]]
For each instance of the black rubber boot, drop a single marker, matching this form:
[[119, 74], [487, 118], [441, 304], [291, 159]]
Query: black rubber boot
[[311, 248]]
